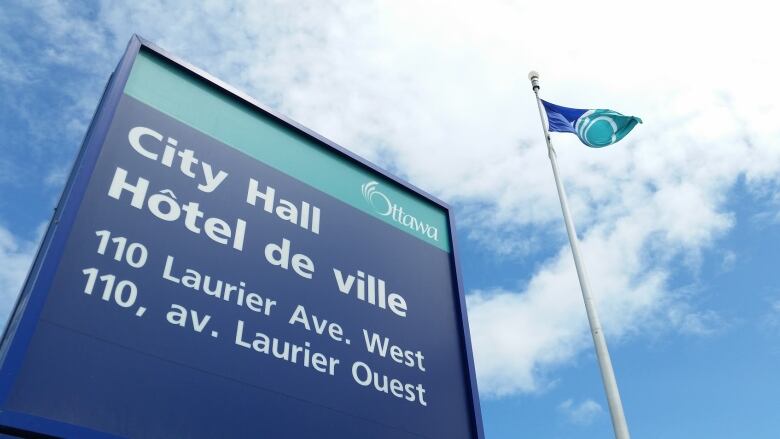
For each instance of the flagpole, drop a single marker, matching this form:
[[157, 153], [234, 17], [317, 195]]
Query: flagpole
[[602, 354]]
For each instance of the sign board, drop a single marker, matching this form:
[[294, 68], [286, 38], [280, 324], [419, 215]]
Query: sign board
[[215, 270]]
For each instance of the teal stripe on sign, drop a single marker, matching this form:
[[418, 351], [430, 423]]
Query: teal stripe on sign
[[177, 93]]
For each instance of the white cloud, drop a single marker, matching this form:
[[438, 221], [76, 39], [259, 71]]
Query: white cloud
[[16, 255], [729, 261], [57, 176], [437, 92], [691, 322], [517, 335], [771, 318], [583, 413]]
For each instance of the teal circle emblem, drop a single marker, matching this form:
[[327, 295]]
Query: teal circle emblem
[[597, 128]]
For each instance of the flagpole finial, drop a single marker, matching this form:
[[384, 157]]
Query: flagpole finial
[[533, 76]]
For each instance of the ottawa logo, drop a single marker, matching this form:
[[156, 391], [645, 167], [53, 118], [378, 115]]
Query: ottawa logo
[[382, 205], [377, 200]]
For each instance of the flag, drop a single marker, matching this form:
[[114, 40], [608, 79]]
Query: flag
[[595, 128]]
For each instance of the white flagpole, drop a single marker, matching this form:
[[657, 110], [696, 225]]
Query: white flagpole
[[605, 364]]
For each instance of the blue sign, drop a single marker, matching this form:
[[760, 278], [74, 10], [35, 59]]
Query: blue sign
[[214, 270]]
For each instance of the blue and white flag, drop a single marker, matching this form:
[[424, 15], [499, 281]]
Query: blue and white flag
[[595, 128]]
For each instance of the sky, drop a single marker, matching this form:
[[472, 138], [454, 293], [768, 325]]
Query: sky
[[679, 222]]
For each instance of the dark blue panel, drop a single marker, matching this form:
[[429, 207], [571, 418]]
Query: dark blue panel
[[95, 364]]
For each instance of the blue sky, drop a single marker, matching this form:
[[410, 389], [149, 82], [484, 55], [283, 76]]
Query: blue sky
[[679, 222]]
